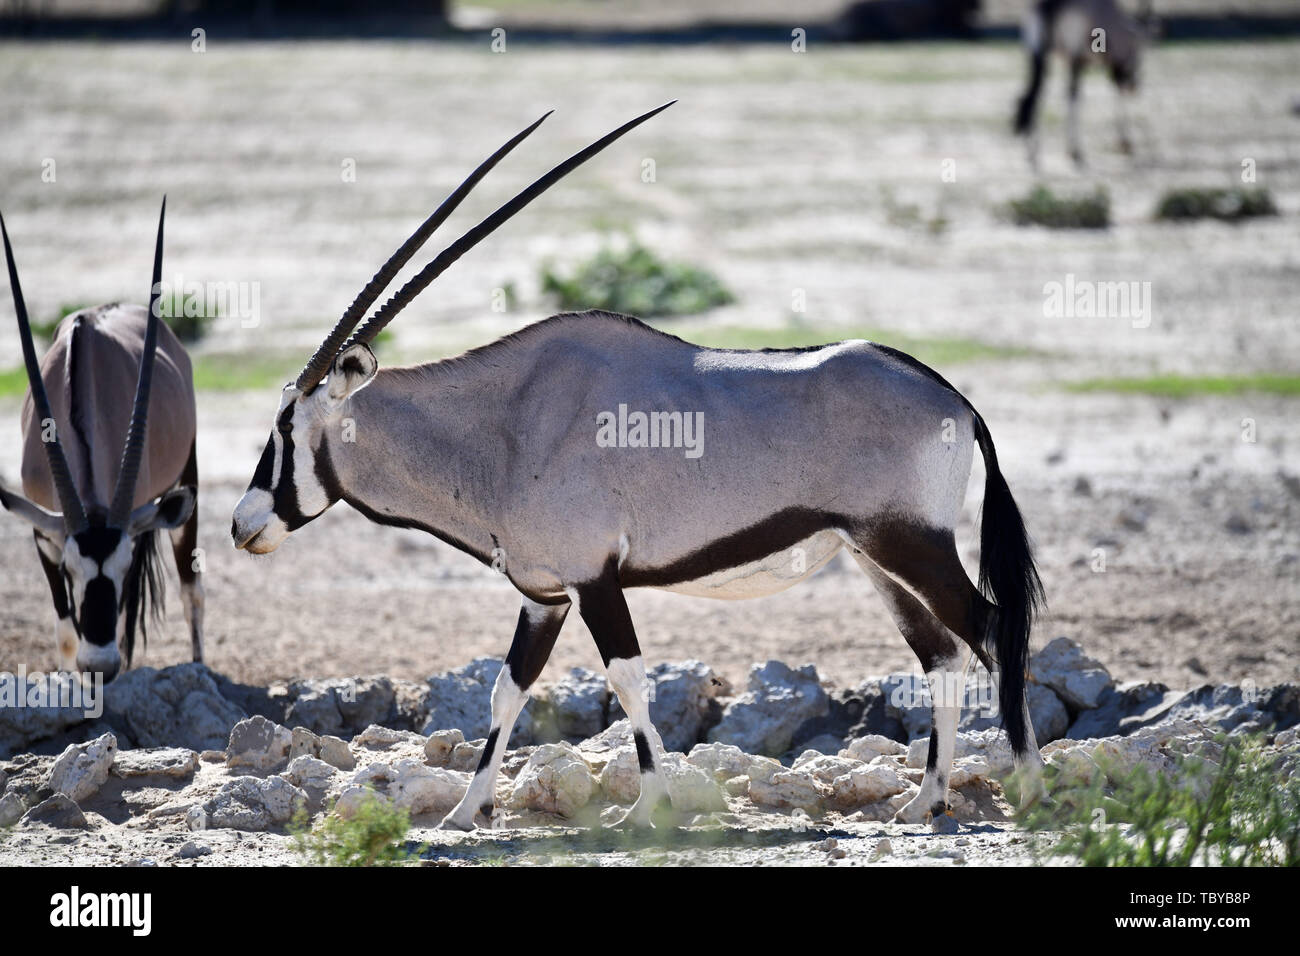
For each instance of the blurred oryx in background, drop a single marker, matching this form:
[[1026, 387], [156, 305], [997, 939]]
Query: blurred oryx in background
[[1082, 32]]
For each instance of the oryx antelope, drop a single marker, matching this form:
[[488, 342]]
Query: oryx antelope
[[1082, 32], [497, 453], [108, 461]]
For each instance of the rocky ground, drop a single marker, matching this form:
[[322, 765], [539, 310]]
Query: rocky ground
[[186, 767]]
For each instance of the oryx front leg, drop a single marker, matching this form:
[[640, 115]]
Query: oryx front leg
[[189, 561], [65, 632], [604, 610], [535, 634]]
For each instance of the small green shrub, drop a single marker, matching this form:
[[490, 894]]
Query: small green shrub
[[1236, 807], [187, 315], [635, 281], [1226, 204], [1042, 207], [373, 836]]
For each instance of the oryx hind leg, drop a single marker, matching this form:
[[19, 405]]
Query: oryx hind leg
[[944, 658], [604, 611], [943, 618], [185, 540], [539, 625]]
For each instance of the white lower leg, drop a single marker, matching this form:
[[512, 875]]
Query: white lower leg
[[1121, 120], [508, 699], [627, 677], [1072, 125], [192, 603], [65, 637], [947, 689]]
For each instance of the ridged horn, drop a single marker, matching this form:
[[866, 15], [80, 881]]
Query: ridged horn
[[319, 365], [469, 240], [133, 451], [74, 515]]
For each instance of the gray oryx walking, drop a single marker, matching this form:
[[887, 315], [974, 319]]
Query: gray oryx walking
[[726, 464], [108, 461], [1082, 32]]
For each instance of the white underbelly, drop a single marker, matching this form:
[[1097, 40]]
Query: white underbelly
[[774, 573]]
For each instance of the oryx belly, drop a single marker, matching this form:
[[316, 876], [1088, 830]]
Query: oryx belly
[[771, 574]]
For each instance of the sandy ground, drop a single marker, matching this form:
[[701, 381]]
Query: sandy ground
[[760, 839], [773, 170]]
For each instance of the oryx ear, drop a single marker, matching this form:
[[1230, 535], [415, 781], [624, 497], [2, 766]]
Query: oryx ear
[[50, 522], [353, 369], [169, 510]]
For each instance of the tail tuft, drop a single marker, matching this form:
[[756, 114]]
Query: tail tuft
[[1009, 578]]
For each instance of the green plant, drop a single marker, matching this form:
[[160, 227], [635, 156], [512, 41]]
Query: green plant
[[373, 836], [1042, 207], [635, 281], [1185, 386], [188, 315], [1234, 805], [1216, 203]]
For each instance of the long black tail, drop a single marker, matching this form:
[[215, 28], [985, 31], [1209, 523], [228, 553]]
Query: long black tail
[[1010, 580]]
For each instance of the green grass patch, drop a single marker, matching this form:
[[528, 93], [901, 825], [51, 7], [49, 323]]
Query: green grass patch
[[1234, 803], [1042, 207], [212, 373], [933, 351], [240, 372], [375, 835], [1229, 205], [635, 281], [1187, 386]]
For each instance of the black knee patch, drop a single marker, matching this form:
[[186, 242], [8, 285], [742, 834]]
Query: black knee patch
[[486, 809], [932, 758], [643, 756], [488, 747]]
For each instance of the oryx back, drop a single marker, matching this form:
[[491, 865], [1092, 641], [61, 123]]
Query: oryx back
[[90, 373]]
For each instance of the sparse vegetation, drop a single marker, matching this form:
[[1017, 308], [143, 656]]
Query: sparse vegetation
[[908, 215], [1229, 205], [373, 836], [635, 281], [1233, 807], [1042, 207], [188, 315], [1186, 386]]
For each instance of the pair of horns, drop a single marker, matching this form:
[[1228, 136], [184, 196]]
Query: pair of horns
[[74, 512], [319, 365]]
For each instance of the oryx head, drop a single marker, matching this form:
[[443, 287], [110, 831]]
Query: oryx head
[[98, 546], [289, 488]]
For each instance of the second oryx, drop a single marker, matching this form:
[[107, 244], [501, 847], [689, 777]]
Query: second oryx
[[109, 461]]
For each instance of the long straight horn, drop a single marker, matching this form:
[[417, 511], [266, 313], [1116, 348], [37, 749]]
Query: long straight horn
[[133, 452], [74, 515], [320, 362], [438, 266]]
